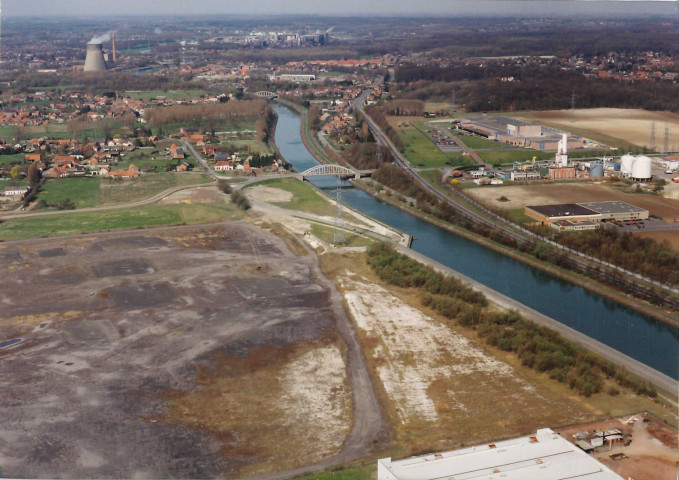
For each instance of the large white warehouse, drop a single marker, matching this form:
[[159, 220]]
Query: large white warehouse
[[545, 456]]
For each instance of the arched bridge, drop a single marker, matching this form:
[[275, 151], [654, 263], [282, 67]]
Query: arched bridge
[[265, 94], [330, 171], [317, 171]]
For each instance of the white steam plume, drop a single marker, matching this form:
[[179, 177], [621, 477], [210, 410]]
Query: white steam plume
[[102, 38]]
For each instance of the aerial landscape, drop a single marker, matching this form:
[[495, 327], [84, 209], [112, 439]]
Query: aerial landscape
[[356, 241]]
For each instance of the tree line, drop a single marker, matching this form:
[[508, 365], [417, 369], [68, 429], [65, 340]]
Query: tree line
[[654, 259], [234, 109], [538, 348], [534, 87]]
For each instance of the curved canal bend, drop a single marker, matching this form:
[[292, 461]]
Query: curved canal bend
[[632, 333]]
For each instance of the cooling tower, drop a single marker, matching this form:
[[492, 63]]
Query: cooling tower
[[94, 61]]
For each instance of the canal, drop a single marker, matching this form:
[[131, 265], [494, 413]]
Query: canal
[[628, 331]]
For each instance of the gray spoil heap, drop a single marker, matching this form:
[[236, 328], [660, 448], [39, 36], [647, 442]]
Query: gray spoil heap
[[94, 61]]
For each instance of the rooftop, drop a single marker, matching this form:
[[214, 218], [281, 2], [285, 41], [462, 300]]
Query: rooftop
[[564, 210], [612, 207], [545, 456]]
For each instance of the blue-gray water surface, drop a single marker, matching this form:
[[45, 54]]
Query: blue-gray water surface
[[628, 331]]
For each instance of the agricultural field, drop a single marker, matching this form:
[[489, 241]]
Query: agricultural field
[[629, 125]]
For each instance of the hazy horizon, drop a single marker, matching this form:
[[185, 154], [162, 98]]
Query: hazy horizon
[[348, 8]]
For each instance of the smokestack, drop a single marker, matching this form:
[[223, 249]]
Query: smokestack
[[94, 61], [113, 39]]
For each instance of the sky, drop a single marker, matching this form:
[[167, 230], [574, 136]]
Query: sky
[[78, 8]]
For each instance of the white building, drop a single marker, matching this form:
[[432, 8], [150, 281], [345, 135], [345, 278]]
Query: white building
[[545, 456]]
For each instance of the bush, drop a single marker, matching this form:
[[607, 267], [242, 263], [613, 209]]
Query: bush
[[240, 199], [224, 186]]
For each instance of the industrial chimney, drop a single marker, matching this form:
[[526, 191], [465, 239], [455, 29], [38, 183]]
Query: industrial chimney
[[94, 61]]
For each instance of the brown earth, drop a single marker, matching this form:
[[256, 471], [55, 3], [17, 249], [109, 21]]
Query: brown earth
[[651, 455], [520, 196], [631, 125]]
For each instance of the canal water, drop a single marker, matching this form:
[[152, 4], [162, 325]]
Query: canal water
[[638, 336]]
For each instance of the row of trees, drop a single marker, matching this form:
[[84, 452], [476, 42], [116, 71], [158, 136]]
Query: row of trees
[[194, 114], [539, 348], [535, 87], [404, 107], [265, 124], [646, 256], [378, 117]]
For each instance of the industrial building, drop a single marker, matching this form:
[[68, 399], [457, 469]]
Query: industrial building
[[293, 77], [519, 133], [544, 456], [636, 168], [575, 214], [94, 60]]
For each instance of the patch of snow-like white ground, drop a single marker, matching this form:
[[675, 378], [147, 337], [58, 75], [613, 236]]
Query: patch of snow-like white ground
[[316, 397], [267, 194], [415, 349]]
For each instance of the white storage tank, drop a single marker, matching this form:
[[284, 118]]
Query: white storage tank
[[626, 162], [641, 168]]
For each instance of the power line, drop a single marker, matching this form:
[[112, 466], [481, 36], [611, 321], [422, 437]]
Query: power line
[[338, 233]]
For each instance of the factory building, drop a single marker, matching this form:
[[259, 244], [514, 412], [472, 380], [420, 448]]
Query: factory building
[[293, 77], [578, 213], [519, 133], [544, 456]]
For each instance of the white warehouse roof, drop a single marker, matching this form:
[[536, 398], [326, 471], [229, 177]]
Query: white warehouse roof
[[545, 456]]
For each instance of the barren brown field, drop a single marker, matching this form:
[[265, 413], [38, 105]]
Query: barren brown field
[[520, 196], [185, 352], [651, 455], [631, 125], [401, 122], [671, 236]]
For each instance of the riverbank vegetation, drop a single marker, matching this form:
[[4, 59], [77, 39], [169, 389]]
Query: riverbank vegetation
[[537, 347]]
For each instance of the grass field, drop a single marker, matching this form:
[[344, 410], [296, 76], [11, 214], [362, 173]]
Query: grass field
[[95, 192], [508, 156], [84, 191], [114, 192], [305, 197], [350, 239], [478, 142], [18, 157], [348, 474], [88, 222]]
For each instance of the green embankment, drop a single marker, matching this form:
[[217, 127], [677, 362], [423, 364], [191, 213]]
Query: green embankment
[[119, 219]]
